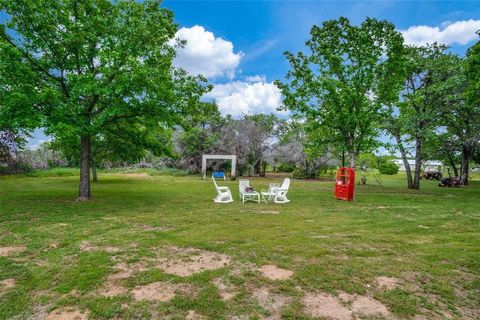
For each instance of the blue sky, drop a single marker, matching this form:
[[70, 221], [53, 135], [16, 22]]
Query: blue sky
[[263, 30], [259, 32], [239, 45]]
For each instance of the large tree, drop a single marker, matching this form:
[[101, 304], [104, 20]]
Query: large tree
[[126, 144], [297, 148], [249, 138], [92, 67], [431, 92], [444, 147], [341, 84], [468, 127], [199, 135]]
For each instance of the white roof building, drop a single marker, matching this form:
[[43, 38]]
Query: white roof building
[[430, 165]]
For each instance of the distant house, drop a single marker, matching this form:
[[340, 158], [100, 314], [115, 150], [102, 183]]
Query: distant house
[[431, 165], [401, 166]]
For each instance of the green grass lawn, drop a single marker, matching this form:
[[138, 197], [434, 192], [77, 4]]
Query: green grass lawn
[[64, 256]]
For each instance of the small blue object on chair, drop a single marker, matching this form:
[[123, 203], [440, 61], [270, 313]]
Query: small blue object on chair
[[218, 175]]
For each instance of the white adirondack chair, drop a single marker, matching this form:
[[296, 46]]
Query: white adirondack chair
[[277, 194], [224, 195], [242, 185], [247, 195]]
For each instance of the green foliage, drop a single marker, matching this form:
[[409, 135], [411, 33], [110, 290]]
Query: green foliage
[[476, 155], [472, 69], [249, 138], [99, 71], [200, 135], [54, 172], [369, 160], [157, 172], [431, 94], [340, 87], [388, 168], [300, 173], [285, 167], [296, 146], [18, 167]]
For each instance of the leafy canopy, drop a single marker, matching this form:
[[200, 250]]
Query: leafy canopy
[[341, 84], [83, 68]]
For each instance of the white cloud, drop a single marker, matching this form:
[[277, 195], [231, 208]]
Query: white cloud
[[461, 32], [206, 54], [256, 78], [237, 98]]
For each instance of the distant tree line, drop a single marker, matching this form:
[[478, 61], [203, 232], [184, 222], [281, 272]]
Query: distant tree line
[[98, 77], [357, 82]]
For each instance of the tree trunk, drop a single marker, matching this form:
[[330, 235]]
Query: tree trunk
[[84, 188], [94, 171], [418, 163], [263, 168], [351, 159], [465, 167], [406, 164], [453, 165], [257, 167]]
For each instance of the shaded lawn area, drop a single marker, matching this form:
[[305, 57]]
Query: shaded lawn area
[[427, 242]]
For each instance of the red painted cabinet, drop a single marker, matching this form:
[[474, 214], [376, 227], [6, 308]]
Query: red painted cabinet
[[345, 184]]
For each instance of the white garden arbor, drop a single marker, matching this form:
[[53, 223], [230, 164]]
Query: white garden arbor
[[231, 157]]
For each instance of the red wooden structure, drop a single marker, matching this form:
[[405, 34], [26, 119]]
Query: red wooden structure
[[345, 184]]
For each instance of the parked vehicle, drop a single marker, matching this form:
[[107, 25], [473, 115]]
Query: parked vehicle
[[432, 175], [450, 182]]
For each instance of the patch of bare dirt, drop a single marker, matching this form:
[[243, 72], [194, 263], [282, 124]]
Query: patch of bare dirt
[[67, 313], [275, 273], [388, 283], [160, 291], [74, 293], [269, 212], [53, 245], [39, 312], [187, 261], [367, 306], [323, 305], [346, 297], [40, 263], [6, 251], [193, 315], [140, 175], [86, 246], [243, 268], [156, 291], [271, 301], [344, 306], [152, 228], [7, 284], [319, 237], [225, 289], [125, 271], [112, 290]]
